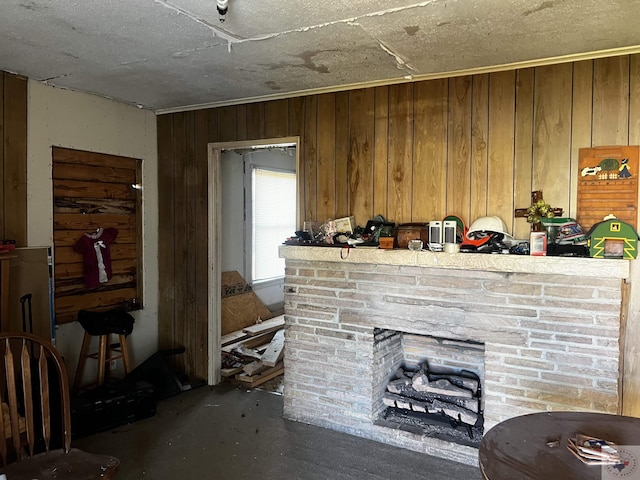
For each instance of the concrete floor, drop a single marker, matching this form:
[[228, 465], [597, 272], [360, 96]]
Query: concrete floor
[[233, 433]]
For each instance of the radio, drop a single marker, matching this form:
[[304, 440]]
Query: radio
[[435, 235], [449, 228]]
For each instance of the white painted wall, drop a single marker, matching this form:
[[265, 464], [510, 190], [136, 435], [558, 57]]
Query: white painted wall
[[233, 238], [69, 119]]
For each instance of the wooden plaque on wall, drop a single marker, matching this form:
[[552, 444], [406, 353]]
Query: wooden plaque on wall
[[607, 184]]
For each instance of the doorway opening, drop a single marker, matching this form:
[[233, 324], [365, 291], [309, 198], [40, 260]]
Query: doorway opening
[[231, 215]]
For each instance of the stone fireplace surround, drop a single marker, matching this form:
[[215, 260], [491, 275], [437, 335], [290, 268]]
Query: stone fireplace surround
[[550, 328]]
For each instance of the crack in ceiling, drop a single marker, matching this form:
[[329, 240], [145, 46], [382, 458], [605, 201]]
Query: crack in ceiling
[[175, 55], [231, 38], [219, 32], [401, 62], [539, 8], [351, 21]]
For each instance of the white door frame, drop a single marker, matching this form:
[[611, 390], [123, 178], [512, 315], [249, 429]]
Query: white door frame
[[215, 239]]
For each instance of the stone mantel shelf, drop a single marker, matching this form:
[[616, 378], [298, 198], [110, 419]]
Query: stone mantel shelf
[[583, 267]]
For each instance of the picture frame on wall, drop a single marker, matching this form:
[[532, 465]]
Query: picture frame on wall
[[607, 184]]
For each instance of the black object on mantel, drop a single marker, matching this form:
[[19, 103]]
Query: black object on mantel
[[558, 250]]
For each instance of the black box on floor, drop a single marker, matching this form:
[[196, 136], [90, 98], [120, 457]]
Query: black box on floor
[[110, 406]]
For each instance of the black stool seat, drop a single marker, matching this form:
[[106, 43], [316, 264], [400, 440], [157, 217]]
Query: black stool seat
[[104, 323]]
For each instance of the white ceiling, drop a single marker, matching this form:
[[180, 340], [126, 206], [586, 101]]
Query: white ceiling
[[176, 54]]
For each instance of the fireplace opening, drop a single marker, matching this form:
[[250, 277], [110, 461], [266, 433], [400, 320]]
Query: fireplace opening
[[432, 386]]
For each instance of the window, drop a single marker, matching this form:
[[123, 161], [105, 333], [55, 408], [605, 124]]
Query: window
[[273, 220]]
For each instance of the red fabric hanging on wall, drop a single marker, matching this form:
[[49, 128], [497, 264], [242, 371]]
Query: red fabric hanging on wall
[[96, 255]]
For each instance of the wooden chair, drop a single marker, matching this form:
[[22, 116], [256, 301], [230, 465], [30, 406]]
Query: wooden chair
[[33, 386]]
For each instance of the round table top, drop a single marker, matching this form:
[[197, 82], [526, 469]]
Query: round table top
[[518, 448]]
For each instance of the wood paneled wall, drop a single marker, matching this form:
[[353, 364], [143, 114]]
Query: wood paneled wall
[[94, 191], [13, 158], [468, 146]]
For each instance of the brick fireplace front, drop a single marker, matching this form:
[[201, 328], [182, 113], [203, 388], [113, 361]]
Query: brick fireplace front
[[550, 328]]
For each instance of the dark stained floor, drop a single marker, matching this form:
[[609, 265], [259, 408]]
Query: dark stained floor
[[227, 432]]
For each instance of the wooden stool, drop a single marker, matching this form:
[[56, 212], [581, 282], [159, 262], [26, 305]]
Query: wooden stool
[[103, 325]]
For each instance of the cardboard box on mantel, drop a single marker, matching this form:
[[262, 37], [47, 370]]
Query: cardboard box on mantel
[[345, 224]]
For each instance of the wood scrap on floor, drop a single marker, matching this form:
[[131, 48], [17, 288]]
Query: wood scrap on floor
[[253, 360], [254, 367], [265, 326], [275, 350], [233, 338], [249, 342], [254, 380]]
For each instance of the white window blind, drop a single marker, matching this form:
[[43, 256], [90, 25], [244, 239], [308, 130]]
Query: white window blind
[[274, 219]]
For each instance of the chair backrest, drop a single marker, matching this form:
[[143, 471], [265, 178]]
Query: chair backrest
[[28, 365]]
